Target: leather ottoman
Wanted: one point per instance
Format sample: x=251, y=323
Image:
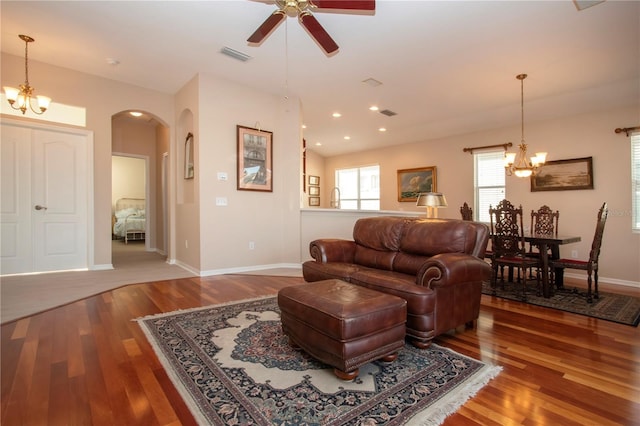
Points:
x=342, y=324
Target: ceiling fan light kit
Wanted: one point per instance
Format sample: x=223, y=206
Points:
x=302, y=9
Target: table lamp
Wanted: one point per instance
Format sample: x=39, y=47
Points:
x=431, y=200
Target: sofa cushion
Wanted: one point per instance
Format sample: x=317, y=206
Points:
x=435, y=236
x=379, y=233
x=317, y=271
x=419, y=299
x=408, y=263
x=377, y=241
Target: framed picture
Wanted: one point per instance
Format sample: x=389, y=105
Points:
x=563, y=175
x=255, y=159
x=314, y=191
x=412, y=182
x=314, y=180
x=188, y=156
x=314, y=201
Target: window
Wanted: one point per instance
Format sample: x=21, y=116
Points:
x=359, y=188
x=635, y=181
x=489, y=182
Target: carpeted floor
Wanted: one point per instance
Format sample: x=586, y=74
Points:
x=618, y=308
x=232, y=365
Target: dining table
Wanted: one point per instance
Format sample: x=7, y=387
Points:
x=546, y=242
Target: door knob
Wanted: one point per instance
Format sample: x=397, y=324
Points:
x=39, y=207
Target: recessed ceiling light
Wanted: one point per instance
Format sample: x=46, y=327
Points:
x=135, y=113
x=347, y=138
x=318, y=144
x=304, y=126
x=337, y=115
x=382, y=129
x=373, y=108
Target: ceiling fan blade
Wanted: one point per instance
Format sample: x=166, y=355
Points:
x=267, y=26
x=311, y=24
x=346, y=4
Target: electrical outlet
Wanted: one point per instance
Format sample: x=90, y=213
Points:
x=252, y=245
x=221, y=201
x=574, y=254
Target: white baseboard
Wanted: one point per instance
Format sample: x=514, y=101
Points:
x=242, y=269
x=605, y=280
x=103, y=267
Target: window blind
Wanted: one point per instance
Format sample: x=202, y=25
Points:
x=635, y=181
x=489, y=182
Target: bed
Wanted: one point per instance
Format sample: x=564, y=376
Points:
x=129, y=219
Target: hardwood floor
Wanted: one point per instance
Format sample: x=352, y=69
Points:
x=89, y=363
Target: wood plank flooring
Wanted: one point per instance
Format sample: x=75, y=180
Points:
x=89, y=363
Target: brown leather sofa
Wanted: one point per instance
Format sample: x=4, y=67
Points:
x=436, y=265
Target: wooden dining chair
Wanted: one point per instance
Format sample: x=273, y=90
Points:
x=544, y=221
x=508, y=244
x=590, y=265
x=466, y=212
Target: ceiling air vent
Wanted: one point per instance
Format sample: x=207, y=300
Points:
x=235, y=54
x=388, y=112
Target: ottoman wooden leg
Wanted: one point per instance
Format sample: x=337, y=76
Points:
x=342, y=375
x=389, y=358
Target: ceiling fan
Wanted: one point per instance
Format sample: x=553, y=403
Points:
x=301, y=8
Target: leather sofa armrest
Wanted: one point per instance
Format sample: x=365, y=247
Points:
x=451, y=268
x=332, y=250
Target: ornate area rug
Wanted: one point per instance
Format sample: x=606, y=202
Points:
x=610, y=306
x=233, y=366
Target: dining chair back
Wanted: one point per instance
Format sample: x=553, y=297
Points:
x=590, y=265
x=545, y=221
x=508, y=244
x=466, y=212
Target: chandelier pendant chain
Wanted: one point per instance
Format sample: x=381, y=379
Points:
x=521, y=77
x=27, y=40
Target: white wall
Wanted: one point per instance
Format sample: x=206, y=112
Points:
x=564, y=138
x=268, y=219
x=127, y=178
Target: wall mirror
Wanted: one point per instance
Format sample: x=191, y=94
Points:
x=188, y=156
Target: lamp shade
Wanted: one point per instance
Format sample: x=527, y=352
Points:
x=431, y=199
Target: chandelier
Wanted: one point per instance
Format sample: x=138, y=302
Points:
x=517, y=163
x=22, y=98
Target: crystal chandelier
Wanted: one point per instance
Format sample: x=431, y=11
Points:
x=517, y=163
x=22, y=98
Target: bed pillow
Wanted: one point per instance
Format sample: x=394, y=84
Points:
x=121, y=214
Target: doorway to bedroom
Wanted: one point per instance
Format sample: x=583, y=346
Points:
x=129, y=219
x=139, y=144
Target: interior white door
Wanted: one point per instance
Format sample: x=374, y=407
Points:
x=15, y=208
x=49, y=189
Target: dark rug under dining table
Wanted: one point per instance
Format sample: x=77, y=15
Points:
x=614, y=307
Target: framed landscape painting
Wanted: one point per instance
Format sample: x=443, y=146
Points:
x=412, y=182
x=563, y=175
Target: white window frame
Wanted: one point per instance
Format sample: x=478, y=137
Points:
x=359, y=199
x=635, y=182
x=488, y=164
